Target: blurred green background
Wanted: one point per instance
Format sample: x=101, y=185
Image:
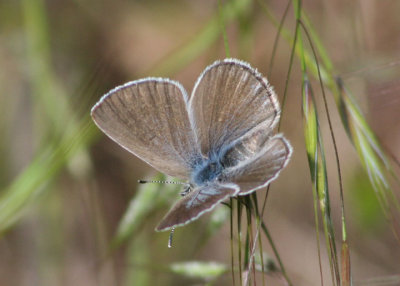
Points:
x=65, y=187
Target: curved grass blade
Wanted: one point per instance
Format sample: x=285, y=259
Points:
x=62, y=142
x=276, y=40
x=149, y=197
x=370, y=152
x=316, y=156
x=49, y=97
x=346, y=276
x=258, y=226
x=367, y=146
x=316, y=161
x=239, y=242
x=223, y=30
x=251, y=242
x=231, y=241
x=372, y=156
x=32, y=181
x=310, y=124
x=202, y=40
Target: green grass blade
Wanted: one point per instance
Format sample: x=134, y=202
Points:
x=148, y=198
x=223, y=30
x=32, y=181
x=370, y=152
x=276, y=253
x=47, y=91
x=258, y=224
x=200, y=41
x=317, y=164
x=276, y=40
x=239, y=242
x=345, y=275
x=372, y=157
x=231, y=201
x=200, y=270
x=64, y=140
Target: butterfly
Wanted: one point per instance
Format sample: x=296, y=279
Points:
x=220, y=139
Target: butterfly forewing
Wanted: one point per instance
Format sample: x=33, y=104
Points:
x=230, y=99
x=197, y=202
x=255, y=170
x=149, y=118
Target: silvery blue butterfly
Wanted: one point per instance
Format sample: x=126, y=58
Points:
x=219, y=139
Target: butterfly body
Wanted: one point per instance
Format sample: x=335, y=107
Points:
x=219, y=139
x=207, y=171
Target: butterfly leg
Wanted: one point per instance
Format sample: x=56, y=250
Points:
x=186, y=190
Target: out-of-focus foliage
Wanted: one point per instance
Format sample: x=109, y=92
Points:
x=71, y=211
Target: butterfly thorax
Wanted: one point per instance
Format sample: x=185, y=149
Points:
x=207, y=171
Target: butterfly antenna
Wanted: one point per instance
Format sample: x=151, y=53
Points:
x=160, y=182
x=184, y=193
x=170, y=237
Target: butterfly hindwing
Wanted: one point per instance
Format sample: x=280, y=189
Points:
x=257, y=161
x=197, y=202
